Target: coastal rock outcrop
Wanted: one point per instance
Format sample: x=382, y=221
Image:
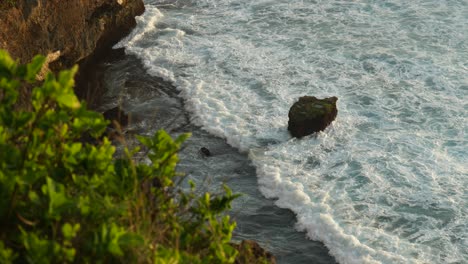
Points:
x=77, y=30
x=251, y=252
x=310, y=114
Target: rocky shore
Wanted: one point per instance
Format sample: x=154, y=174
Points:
x=153, y=104
x=79, y=32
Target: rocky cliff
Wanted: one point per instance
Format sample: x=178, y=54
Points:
x=69, y=32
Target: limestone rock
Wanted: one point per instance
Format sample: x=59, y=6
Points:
x=310, y=115
x=51, y=57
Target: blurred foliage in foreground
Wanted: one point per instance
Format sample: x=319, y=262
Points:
x=64, y=199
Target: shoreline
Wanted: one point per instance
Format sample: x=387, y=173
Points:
x=91, y=86
x=152, y=104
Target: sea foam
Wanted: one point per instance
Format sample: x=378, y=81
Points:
x=386, y=183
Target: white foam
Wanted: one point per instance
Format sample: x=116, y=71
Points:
x=153, y=15
x=386, y=183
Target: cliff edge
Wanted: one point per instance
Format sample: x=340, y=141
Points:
x=68, y=32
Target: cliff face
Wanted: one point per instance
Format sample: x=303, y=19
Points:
x=69, y=32
x=76, y=28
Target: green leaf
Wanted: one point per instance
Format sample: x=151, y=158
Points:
x=182, y=138
x=33, y=197
x=66, y=79
x=114, y=246
x=131, y=240
x=33, y=68
x=67, y=231
x=84, y=205
x=70, y=231
x=7, y=65
x=57, y=198
x=144, y=140
x=6, y=254
x=69, y=100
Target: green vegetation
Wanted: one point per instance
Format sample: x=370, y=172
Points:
x=64, y=199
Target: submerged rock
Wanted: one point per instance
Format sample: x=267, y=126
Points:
x=205, y=152
x=310, y=115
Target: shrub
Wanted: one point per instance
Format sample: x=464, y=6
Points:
x=64, y=199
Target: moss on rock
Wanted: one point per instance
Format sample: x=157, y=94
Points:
x=310, y=114
x=250, y=252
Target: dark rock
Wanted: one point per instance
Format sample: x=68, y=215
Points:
x=251, y=252
x=205, y=152
x=116, y=114
x=310, y=115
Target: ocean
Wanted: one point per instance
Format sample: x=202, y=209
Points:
x=387, y=181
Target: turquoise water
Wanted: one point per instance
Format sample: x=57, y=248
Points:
x=387, y=182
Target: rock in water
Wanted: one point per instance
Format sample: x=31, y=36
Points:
x=205, y=152
x=251, y=252
x=310, y=115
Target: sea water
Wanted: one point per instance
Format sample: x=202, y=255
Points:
x=387, y=181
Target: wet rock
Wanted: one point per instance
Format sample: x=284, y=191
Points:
x=205, y=152
x=251, y=252
x=310, y=115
